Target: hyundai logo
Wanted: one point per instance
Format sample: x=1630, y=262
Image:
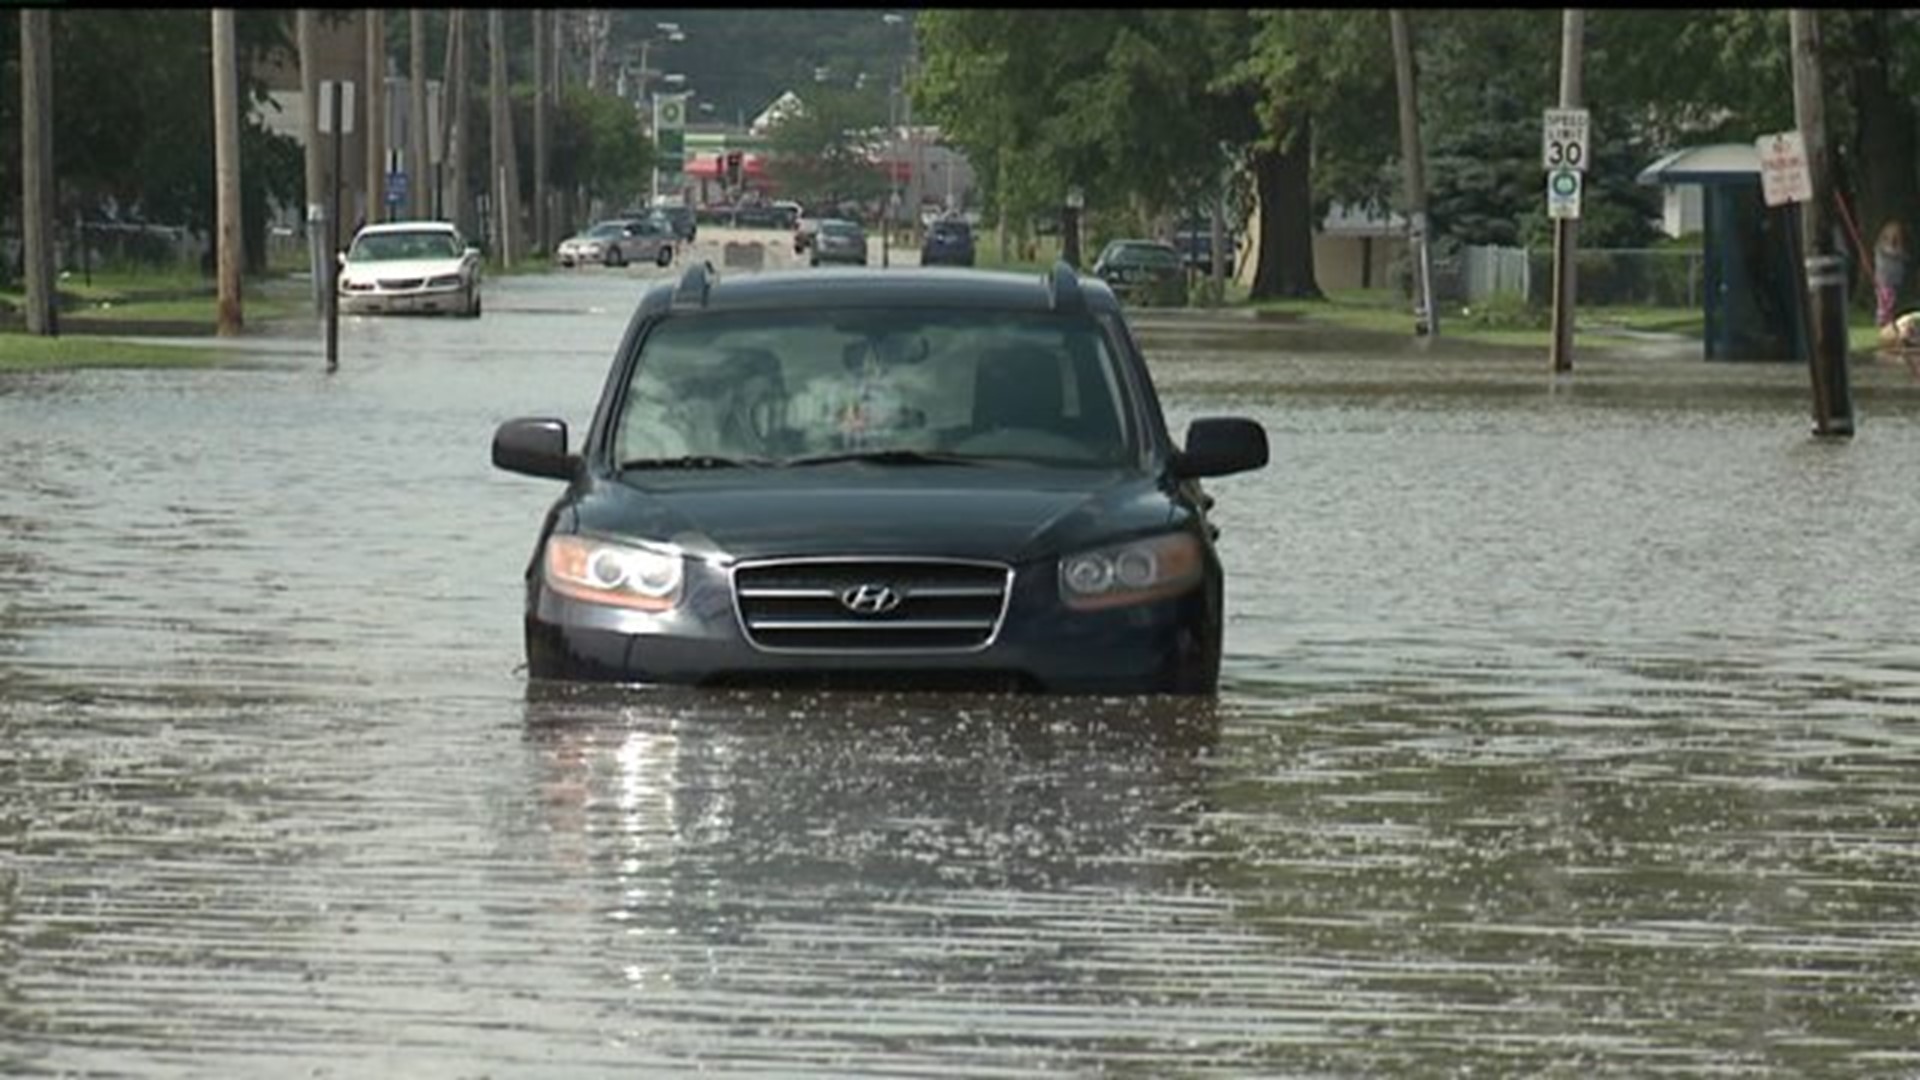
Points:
x=870, y=599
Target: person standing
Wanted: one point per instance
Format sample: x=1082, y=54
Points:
x=1889, y=270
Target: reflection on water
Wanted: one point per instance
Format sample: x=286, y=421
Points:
x=1567, y=729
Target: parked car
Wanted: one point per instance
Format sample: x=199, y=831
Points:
x=949, y=242
x=679, y=219
x=410, y=266
x=879, y=479
x=1143, y=272
x=838, y=241
x=619, y=242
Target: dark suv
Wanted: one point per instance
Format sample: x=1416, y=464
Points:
x=910, y=479
x=948, y=243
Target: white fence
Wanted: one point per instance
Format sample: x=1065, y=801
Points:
x=1662, y=277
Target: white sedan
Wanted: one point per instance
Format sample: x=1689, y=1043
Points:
x=409, y=266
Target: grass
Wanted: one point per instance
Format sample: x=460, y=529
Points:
x=162, y=295
x=26, y=352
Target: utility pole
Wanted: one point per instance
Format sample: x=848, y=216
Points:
x=500, y=158
x=226, y=169
x=541, y=46
x=459, y=130
x=376, y=84
x=1426, y=313
x=418, y=192
x=1566, y=230
x=306, y=29
x=1826, y=276
x=36, y=138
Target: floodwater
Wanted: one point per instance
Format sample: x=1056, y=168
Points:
x=1568, y=728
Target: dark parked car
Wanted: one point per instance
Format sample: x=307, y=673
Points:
x=838, y=241
x=919, y=479
x=680, y=220
x=1143, y=272
x=948, y=243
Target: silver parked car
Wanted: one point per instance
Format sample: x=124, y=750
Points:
x=619, y=242
x=836, y=240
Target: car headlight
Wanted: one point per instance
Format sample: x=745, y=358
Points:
x=1131, y=573
x=590, y=249
x=623, y=575
x=443, y=281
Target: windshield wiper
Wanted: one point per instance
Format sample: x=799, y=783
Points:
x=692, y=461
x=888, y=457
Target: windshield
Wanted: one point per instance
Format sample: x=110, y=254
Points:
x=607, y=228
x=784, y=387
x=839, y=228
x=388, y=246
x=1145, y=255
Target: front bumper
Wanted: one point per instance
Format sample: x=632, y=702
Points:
x=449, y=298
x=1165, y=646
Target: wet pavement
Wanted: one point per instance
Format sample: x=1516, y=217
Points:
x=1569, y=727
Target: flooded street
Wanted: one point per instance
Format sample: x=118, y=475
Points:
x=1567, y=728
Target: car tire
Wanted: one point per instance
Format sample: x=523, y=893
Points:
x=473, y=304
x=665, y=258
x=616, y=257
x=815, y=261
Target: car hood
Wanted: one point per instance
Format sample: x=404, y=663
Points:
x=390, y=269
x=955, y=511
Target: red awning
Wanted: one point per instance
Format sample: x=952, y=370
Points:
x=708, y=167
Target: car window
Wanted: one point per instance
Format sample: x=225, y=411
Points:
x=783, y=385
x=390, y=246
x=1147, y=255
x=606, y=229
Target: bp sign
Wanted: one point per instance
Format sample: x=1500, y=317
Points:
x=673, y=113
x=1563, y=193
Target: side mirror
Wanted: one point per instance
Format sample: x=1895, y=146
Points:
x=340, y=258
x=473, y=252
x=1218, y=446
x=534, y=447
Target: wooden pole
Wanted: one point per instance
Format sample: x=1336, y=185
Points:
x=419, y=192
x=306, y=30
x=1566, y=231
x=453, y=121
x=226, y=169
x=541, y=47
x=36, y=137
x=502, y=200
x=1825, y=270
x=376, y=98
x=1426, y=312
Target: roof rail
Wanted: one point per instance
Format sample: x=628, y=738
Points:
x=694, y=285
x=1063, y=288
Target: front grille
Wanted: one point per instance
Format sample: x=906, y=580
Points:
x=943, y=605
x=400, y=283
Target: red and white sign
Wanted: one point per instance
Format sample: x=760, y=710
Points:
x=1783, y=168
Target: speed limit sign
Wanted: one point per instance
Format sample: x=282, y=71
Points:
x=1564, y=139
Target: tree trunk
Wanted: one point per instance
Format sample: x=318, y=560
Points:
x=36, y=212
x=1283, y=183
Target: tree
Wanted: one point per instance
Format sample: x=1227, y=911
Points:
x=824, y=153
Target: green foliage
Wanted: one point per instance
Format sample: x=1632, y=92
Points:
x=822, y=155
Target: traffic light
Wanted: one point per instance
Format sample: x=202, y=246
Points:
x=733, y=168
